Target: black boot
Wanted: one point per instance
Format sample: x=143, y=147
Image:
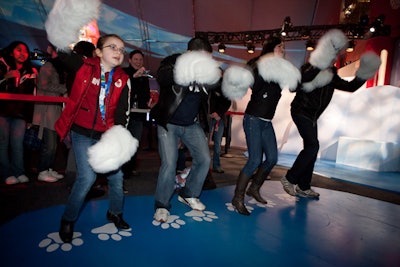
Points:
x=66, y=231
x=238, y=198
x=117, y=220
x=254, y=188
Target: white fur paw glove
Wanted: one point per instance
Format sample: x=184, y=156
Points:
x=328, y=48
x=196, y=67
x=369, y=64
x=115, y=147
x=236, y=81
x=66, y=18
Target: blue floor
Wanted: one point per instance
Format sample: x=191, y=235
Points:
x=339, y=229
x=382, y=180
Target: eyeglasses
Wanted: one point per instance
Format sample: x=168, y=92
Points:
x=115, y=48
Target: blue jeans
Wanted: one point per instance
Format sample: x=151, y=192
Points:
x=195, y=140
x=86, y=177
x=217, y=138
x=12, y=131
x=260, y=138
x=48, y=149
x=303, y=167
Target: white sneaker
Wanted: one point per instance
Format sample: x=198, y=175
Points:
x=45, y=176
x=161, y=215
x=55, y=174
x=22, y=178
x=192, y=202
x=12, y=180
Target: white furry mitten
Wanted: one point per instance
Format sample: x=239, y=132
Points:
x=196, y=67
x=280, y=71
x=369, y=64
x=66, y=18
x=115, y=147
x=236, y=81
x=328, y=48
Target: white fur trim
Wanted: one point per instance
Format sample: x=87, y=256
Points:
x=236, y=81
x=279, y=70
x=328, y=48
x=369, y=64
x=66, y=18
x=323, y=78
x=196, y=66
x=116, y=146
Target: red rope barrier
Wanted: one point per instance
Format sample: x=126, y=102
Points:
x=234, y=113
x=38, y=98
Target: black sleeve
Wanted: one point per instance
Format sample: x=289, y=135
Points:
x=71, y=61
x=121, y=116
x=348, y=86
x=308, y=72
x=165, y=73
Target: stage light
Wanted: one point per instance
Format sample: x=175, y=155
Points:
x=221, y=48
x=350, y=47
x=378, y=24
x=287, y=24
x=310, y=45
x=250, y=48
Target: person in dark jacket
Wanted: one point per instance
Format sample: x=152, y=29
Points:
x=319, y=81
x=219, y=105
x=272, y=74
x=17, y=76
x=140, y=97
x=185, y=81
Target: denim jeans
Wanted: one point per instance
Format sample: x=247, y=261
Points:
x=194, y=138
x=260, y=138
x=303, y=167
x=48, y=149
x=86, y=177
x=217, y=138
x=12, y=131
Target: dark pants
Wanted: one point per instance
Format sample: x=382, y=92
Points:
x=303, y=167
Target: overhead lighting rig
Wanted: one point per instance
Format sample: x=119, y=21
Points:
x=295, y=33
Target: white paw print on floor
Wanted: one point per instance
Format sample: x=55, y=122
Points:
x=173, y=221
x=54, y=242
x=109, y=230
x=200, y=216
x=270, y=203
x=287, y=197
x=230, y=207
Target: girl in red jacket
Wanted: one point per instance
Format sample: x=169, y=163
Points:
x=96, y=116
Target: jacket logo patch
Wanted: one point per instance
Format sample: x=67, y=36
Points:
x=95, y=81
x=118, y=83
x=265, y=95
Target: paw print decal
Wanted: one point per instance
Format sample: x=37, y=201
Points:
x=270, y=203
x=109, y=230
x=287, y=197
x=54, y=242
x=200, y=216
x=230, y=207
x=173, y=221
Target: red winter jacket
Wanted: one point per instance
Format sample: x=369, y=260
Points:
x=82, y=107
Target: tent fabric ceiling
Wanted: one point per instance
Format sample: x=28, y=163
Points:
x=170, y=24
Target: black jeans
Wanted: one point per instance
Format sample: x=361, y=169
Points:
x=303, y=167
